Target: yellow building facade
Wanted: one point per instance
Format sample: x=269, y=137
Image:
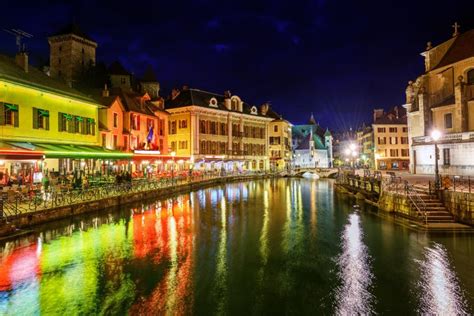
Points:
x=279, y=133
x=218, y=132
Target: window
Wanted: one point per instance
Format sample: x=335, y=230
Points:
x=275, y=128
x=183, y=144
x=382, y=140
x=115, y=120
x=448, y=120
x=223, y=128
x=202, y=127
x=125, y=142
x=393, y=140
x=123, y=80
x=274, y=140
x=381, y=129
x=405, y=153
x=172, y=127
x=104, y=140
x=470, y=76
x=446, y=157
x=40, y=119
x=404, y=140
x=183, y=124
x=234, y=104
x=173, y=146
x=393, y=152
x=135, y=120
x=115, y=141
x=392, y=129
x=405, y=130
x=9, y=114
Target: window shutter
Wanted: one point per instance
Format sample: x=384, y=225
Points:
x=138, y=122
x=60, y=121
x=93, y=127
x=16, y=117
x=35, y=118
x=46, y=123
x=2, y=114
x=83, y=126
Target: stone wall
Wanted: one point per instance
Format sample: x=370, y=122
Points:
x=461, y=205
x=395, y=203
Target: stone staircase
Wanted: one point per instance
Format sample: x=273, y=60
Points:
x=435, y=209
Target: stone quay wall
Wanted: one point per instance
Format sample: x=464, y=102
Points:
x=29, y=219
x=461, y=205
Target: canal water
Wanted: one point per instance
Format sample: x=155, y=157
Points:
x=284, y=246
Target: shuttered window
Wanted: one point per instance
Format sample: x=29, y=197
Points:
x=40, y=119
x=9, y=114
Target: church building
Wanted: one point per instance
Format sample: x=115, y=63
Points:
x=312, y=146
x=442, y=99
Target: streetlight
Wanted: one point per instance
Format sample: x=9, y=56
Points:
x=435, y=136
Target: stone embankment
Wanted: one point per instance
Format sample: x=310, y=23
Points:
x=29, y=219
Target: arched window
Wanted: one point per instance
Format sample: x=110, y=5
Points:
x=470, y=76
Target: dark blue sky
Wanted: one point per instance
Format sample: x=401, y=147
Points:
x=338, y=59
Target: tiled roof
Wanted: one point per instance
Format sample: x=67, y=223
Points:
x=35, y=78
x=197, y=97
x=131, y=101
x=302, y=131
x=73, y=29
x=462, y=48
x=392, y=117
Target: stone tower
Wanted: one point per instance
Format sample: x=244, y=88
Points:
x=70, y=52
x=150, y=84
x=119, y=76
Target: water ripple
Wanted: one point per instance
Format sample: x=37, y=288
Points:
x=440, y=292
x=354, y=296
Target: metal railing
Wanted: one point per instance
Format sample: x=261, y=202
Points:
x=17, y=203
x=416, y=202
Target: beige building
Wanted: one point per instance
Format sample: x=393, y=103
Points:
x=365, y=141
x=279, y=133
x=443, y=99
x=391, y=150
x=218, y=132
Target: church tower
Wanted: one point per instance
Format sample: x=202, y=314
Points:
x=70, y=52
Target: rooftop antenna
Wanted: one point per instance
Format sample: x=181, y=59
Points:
x=19, y=35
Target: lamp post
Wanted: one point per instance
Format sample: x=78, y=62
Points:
x=435, y=136
x=352, y=153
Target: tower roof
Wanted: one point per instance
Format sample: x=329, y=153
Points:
x=149, y=75
x=73, y=28
x=462, y=48
x=116, y=68
x=312, y=120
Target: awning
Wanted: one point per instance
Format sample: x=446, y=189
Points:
x=10, y=151
x=155, y=155
x=71, y=151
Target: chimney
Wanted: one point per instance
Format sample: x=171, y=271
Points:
x=105, y=92
x=264, y=108
x=378, y=113
x=185, y=87
x=21, y=60
x=227, y=94
x=395, y=109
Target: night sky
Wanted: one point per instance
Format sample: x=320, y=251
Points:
x=338, y=59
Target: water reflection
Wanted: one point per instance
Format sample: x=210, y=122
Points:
x=354, y=296
x=439, y=287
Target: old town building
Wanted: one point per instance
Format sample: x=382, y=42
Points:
x=391, y=139
x=219, y=132
x=312, y=146
x=443, y=99
x=365, y=141
x=279, y=133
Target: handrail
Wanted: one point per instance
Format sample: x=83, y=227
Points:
x=22, y=203
x=417, y=201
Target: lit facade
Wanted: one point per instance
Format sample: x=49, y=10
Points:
x=219, y=132
x=279, y=133
x=391, y=149
x=443, y=99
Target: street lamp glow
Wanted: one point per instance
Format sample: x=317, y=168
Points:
x=354, y=154
x=173, y=154
x=435, y=135
x=347, y=151
x=352, y=147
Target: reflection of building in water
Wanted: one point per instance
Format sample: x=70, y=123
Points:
x=164, y=234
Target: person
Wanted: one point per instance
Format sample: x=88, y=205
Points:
x=45, y=182
x=20, y=179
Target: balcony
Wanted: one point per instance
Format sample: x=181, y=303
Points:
x=238, y=134
x=446, y=138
